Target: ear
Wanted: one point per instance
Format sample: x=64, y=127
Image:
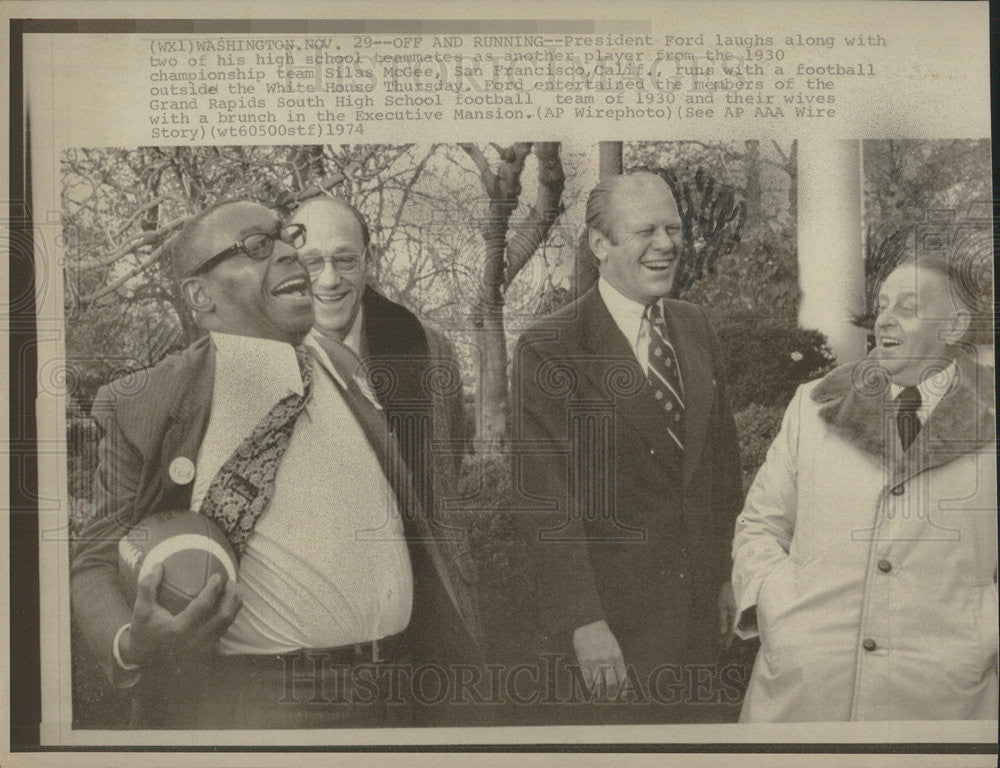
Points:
x=956, y=328
x=197, y=295
x=598, y=244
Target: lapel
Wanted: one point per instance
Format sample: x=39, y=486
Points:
x=419, y=528
x=695, y=362
x=186, y=421
x=854, y=400
x=606, y=348
x=394, y=345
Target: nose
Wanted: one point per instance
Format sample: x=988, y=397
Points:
x=883, y=319
x=328, y=277
x=662, y=240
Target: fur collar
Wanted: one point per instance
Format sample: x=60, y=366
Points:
x=854, y=400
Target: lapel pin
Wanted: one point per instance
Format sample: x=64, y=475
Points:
x=181, y=470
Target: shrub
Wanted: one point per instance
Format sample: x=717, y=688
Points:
x=760, y=277
x=767, y=358
x=757, y=426
x=505, y=590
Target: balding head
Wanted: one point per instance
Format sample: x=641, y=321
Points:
x=335, y=254
x=318, y=209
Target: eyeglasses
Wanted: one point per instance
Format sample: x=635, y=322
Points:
x=257, y=245
x=344, y=263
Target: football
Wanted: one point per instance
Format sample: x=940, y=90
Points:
x=189, y=545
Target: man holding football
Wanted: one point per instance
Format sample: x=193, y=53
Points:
x=262, y=436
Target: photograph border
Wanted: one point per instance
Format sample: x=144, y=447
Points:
x=24, y=573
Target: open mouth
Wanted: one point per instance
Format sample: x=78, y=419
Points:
x=328, y=298
x=293, y=287
x=658, y=265
x=888, y=342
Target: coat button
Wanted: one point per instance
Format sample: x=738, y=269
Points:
x=898, y=490
x=884, y=565
x=869, y=644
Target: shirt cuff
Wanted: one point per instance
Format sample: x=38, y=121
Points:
x=745, y=627
x=127, y=674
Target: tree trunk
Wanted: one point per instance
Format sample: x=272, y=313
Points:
x=609, y=163
x=610, y=158
x=792, y=168
x=751, y=169
x=503, y=261
x=504, y=191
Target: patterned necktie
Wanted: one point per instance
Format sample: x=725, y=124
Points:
x=664, y=374
x=907, y=422
x=242, y=488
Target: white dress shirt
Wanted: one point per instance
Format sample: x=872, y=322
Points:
x=327, y=564
x=629, y=316
x=931, y=389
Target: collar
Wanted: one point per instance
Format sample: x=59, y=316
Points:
x=352, y=340
x=627, y=313
x=315, y=340
x=264, y=364
x=321, y=347
x=931, y=390
x=854, y=400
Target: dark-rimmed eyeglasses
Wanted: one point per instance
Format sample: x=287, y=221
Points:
x=257, y=245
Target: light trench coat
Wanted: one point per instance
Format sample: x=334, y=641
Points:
x=873, y=571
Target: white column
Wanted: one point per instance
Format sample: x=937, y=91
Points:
x=831, y=251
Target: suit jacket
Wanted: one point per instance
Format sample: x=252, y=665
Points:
x=146, y=420
x=417, y=379
x=625, y=528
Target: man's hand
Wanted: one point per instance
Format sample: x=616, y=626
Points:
x=727, y=613
x=156, y=634
x=600, y=657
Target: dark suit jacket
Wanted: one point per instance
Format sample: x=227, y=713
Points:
x=625, y=528
x=417, y=379
x=146, y=420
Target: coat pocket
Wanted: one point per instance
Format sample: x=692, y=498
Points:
x=967, y=649
x=773, y=600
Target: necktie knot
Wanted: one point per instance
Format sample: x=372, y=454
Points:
x=654, y=313
x=909, y=399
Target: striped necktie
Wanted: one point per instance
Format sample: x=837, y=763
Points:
x=664, y=374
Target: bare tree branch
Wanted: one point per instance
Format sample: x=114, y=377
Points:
x=531, y=233
x=479, y=159
x=114, y=286
x=408, y=190
x=146, y=238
